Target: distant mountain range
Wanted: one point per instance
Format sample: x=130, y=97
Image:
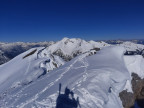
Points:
x=137, y=41
x=10, y=50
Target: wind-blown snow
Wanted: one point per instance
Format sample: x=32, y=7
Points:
x=22, y=70
x=134, y=64
x=97, y=80
x=29, y=81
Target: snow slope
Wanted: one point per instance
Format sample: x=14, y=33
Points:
x=27, y=81
x=97, y=80
x=27, y=67
x=42, y=61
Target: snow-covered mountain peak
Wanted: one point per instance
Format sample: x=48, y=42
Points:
x=69, y=48
x=65, y=39
x=99, y=44
x=69, y=41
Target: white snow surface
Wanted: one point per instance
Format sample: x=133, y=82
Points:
x=134, y=64
x=70, y=46
x=25, y=70
x=97, y=80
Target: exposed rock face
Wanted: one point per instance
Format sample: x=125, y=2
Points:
x=137, y=52
x=76, y=53
x=64, y=57
x=128, y=99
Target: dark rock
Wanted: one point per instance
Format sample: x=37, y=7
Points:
x=63, y=56
x=128, y=99
x=31, y=53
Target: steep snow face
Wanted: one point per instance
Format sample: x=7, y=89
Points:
x=97, y=80
x=69, y=48
x=134, y=64
x=26, y=68
x=52, y=62
x=130, y=46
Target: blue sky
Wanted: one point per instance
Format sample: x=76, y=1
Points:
x=45, y=20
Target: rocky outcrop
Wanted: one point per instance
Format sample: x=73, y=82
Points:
x=62, y=55
x=137, y=52
x=74, y=54
x=129, y=99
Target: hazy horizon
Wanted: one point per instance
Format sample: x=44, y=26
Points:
x=70, y=38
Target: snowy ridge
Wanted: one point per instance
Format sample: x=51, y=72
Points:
x=31, y=79
x=53, y=61
x=97, y=80
x=69, y=48
x=66, y=48
x=42, y=61
x=134, y=64
x=25, y=70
